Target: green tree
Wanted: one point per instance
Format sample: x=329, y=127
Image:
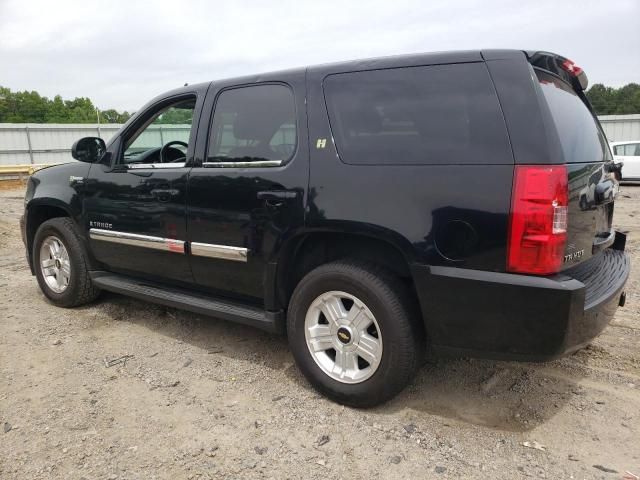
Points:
x=113, y=116
x=31, y=107
x=81, y=110
x=57, y=112
x=176, y=116
x=615, y=101
x=5, y=99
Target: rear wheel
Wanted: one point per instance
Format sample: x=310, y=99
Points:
x=353, y=332
x=61, y=264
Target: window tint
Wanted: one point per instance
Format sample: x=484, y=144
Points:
x=581, y=138
x=253, y=124
x=444, y=114
x=172, y=123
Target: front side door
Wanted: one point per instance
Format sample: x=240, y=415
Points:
x=135, y=206
x=248, y=186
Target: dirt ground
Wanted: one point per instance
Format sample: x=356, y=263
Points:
x=200, y=398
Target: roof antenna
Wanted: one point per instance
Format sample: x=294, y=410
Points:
x=186, y=84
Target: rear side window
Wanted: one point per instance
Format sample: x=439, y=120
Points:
x=580, y=135
x=251, y=124
x=630, y=150
x=443, y=114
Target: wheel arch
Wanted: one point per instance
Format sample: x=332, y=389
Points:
x=39, y=211
x=309, y=249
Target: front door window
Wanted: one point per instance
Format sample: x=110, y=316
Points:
x=164, y=138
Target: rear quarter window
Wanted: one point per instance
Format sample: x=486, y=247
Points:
x=442, y=114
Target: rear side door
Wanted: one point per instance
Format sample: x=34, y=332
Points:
x=248, y=185
x=136, y=205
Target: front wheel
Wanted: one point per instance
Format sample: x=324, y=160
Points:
x=60, y=263
x=353, y=332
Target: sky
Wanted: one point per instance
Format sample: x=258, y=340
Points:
x=122, y=53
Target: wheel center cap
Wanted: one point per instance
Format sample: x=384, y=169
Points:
x=58, y=264
x=344, y=335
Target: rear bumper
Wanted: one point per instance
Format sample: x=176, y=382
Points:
x=506, y=316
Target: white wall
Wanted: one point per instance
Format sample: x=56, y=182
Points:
x=620, y=128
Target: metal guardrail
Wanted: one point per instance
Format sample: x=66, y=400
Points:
x=34, y=144
x=51, y=143
x=20, y=170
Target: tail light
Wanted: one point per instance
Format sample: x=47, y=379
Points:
x=570, y=67
x=538, y=223
x=576, y=72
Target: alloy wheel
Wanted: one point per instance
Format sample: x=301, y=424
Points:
x=343, y=337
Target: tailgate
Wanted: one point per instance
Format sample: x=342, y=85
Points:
x=585, y=151
x=592, y=193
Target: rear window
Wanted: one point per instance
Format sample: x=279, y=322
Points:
x=580, y=135
x=442, y=114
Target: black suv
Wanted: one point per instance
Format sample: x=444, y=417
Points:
x=458, y=201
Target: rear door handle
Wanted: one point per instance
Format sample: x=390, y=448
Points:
x=276, y=198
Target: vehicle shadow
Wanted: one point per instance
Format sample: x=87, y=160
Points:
x=502, y=395
x=508, y=396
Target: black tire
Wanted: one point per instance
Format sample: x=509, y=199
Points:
x=396, y=313
x=80, y=289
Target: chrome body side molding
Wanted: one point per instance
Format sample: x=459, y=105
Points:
x=141, y=166
x=209, y=250
x=137, y=240
x=225, y=252
x=256, y=164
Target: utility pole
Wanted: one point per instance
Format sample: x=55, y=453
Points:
x=98, y=115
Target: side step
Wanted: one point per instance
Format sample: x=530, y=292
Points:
x=186, y=300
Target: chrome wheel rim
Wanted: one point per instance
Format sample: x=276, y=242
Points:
x=343, y=337
x=55, y=264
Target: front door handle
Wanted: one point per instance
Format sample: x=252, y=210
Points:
x=164, y=195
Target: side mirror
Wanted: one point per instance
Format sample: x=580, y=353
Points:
x=88, y=149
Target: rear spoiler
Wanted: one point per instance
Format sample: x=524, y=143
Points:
x=560, y=66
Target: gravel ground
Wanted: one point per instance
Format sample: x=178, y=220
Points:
x=201, y=398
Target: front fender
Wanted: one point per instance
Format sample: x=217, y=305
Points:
x=54, y=192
